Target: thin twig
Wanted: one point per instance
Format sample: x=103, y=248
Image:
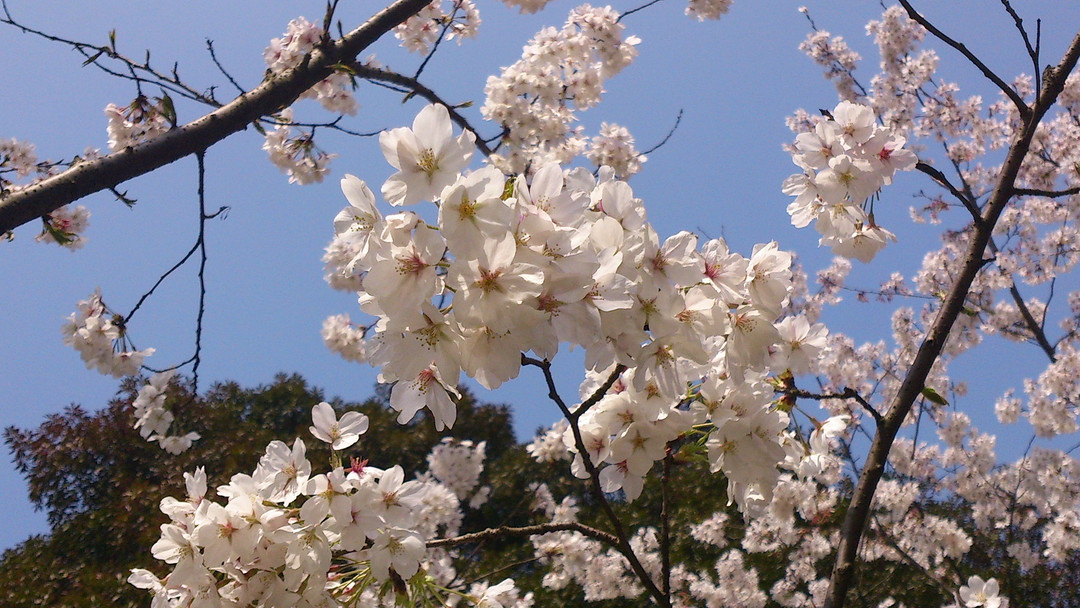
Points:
x=501, y=531
x=944, y=182
x=634, y=10
x=221, y=68
x=1032, y=51
x=1035, y=327
x=848, y=393
x=678, y=119
x=161, y=279
x=435, y=47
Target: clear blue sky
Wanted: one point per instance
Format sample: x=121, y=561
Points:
x=720, y=174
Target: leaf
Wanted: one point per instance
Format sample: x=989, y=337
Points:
x=167, y=108
x=93, y=58
x=123, y=197
x=932, y=396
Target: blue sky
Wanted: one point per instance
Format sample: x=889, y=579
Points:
x=735, y=80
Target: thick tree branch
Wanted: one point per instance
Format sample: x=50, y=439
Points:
x=272, y=95
x=859, y=510
x=1046, y=193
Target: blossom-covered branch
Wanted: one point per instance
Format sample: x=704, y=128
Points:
x=932, y=345
x=271, y=96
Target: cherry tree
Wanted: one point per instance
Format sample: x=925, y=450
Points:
x=483, y=256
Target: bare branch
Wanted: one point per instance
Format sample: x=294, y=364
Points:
x=491, y=533
x=213, y=57
x=1033, y=51
x=944, y=182
x=1034, y=326
x=848, y=393
x=271, y=96
x=1025, y=111
x=412, y=85
x=678, y=119
x=634, y=10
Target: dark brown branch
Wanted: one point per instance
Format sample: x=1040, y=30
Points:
x=634, y=10
x=1021, y=106
x=1046, y=193
x=93, y=54
x=491, y=533
x=213, y=57
x=1034, y=326
x=944, y=182
x=412, y=85
x=906, y=557
x=848, y=393
x=1033, y=51
x=859, y=509
x=674, y=127
x=271, y=96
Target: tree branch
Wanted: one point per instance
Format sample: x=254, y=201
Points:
x=501, y=531
x=944, y=182
x=859, y=509
x=413, y=85
x=1046, y=193
x=1025, y=111
x=623, y=546
x=1032, y=324
x=272, y=95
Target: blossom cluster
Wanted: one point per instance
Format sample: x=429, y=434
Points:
x=285, y=536
x=514, y=266
x=845, y=160
x=99, y=337
x=16, y=157
x=66, y=226
x=300, y=38
x=153, y=419
x=560, y=71
x=421, y=31
x=296, y=155
x=342, y=337
x=139, y=121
